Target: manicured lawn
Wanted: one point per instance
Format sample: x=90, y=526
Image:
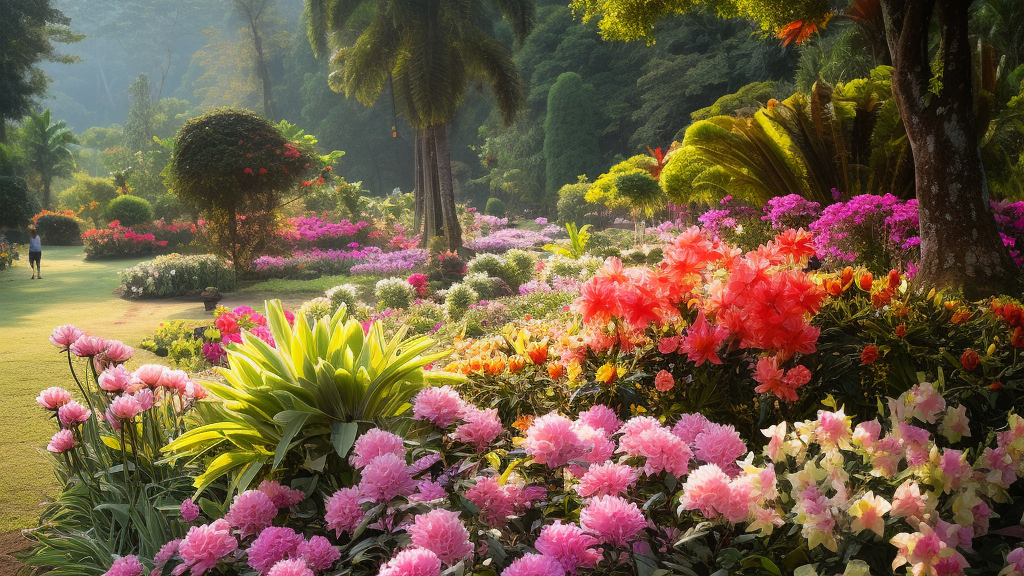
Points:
x=77, y=292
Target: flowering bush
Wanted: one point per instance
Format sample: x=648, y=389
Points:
x=176, y=275
x=59, y=229
x=312, y=232
x=385, y=263
x=508, y=238
x=116, y=241
x=394, y=293
x=311, y=263
x=8, y=253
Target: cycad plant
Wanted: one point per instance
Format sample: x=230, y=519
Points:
x=47, y=149
x=301, y=404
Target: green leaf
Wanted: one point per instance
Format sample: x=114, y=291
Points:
x=293, y=421
x=343, y=436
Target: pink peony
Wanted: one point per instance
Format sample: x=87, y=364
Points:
x=145, y=398
x=481, y=427
x=204, y=545
x=599, y=448
x=629, y=442
x=64, y=336
x=115, y=379
x=427, y=490
x=53, y=398
x=612, y=520
x=61, y=442
x=251, y=512
x=374, y=443
x=720, y=445
x=318, y=553
x=689, y=426
x=569, y=545
x=442, y=406
x=176, y=380
x=343, y=511
x=385, y=477
x=492, y=500
x=88, y=346
x=534, y=565
x=125, y=566
x=166, y=552
x=441, y=532
x=663, y=451
x=601, y=417
x=118, y=352
x=705, y=489
x=189, y=510
x=271, y=546
x=664, y=381
x=72, y=414
x=295, y=567
x=281, y=496
x=150, y=374
x=125, y=407
x=608, y=479
x=412, y=562
x=552, y=440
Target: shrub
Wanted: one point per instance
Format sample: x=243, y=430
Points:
x=177, y=275
x=59, y=229
x=117, y=241
x=17, y=203
x=129, y=210
x=507, y=239
x=8, y=253
x=168, y=207
x=570, y=136
x=458, y=299
x=572, y=203
x=487, y=264
x=495, y=207
x=392, y=262
x=88, y=195
x=315, y=309
x=345, y=294
x=394, y=293
x=485, y=286
x=425, y=318
x=519, y=267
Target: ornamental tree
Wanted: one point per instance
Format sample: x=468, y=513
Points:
x=933, y=89
x=235, y=168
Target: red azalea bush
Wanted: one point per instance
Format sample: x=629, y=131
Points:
x=116, y=241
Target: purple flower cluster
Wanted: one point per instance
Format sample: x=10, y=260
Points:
x=507, y=239
x=493, y=222
x=533, y=286
x=790, y=211
x=1010, y=219
x=315, y=258
x=845, y=229
x=389, y=263
x=726, y=217
x=313, y=229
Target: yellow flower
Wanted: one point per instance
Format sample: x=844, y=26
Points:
x=868, y=513
x=606, y=373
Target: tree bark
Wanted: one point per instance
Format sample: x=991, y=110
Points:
x=450, y=218
x=46, y=193
x=960, y=244
x=419, y=183
x=432, y=215
x=262, y=70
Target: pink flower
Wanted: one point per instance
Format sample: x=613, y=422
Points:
x=421, y=464
x=61, y=442
x=427, y=490
x=145, y=398
x=668, y=345
x=833, y=429
x=116, y=379
x=204, y=545
x=72, y=413
x=702, y=341
x=664, y=381
x=125, y=566
x=608, y=479
x=553, y=441
x=295, y=567
x=189, y=510
x=176, y=380
x=281, y=496
x=53, y=398
x=166, y=552
x=908, y=502
x=271, y=546
x=440, y=405
x=412, y=562
x=87, y=346
x=492, y=500
x=867, y=433
x=318, y=553
x=64, y=336
x=251, y=512
x=569, y=545
x=441, y=532
x=385, y=477
x=343, y=511
x=629, y=442
x=612, y=520
x=125, y=407
x=150, y=374
x=663, y=451
x=602, y=418
x=690, y=426
x=374, y=443
x=707, y=490
x=118, y=352
x=534, y=565
x=481, y=427
x=720, y=445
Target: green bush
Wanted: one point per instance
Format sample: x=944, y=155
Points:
x=495, y=207
x=315, y=309
x=487, y=264
x=570, y=134
x=572, y=203
x=17, y=204
x=347, y=294
x=519, y=267
x=129, y=210
x=177, y=275
x=393, y=293
x=89, y=195
x=168, y=208
x=59, y=230
x=424, y=318
x=458, y=300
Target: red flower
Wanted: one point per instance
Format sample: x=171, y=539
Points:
x=1018, y=337
x=869, y=354
x=538, y=353
x=226, y=323
x=865, y=281
x=263, y=170
x=703, y=340
x=248, y=170
x=901, y=330
x=969, y=359
x=773, y=380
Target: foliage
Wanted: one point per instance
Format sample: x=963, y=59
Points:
x=458, y=299
x=176, y=275
x=570, y=138
x=750, y=97
x=8, y=253
x=59, y=229
x=578, y=239
x=18, y=203
x=394, y=293
x=129, y=210
x=343, y=295
x=46, y=149
x=299, y=406
x=637, y=195
x=495, y=207
x=89, y=196
x=117, y=241
x=572, y=203
x=515, y=267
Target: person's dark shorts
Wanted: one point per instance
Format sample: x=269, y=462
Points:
x=34, y=257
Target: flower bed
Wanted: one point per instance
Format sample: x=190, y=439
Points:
x=507, y=239
x=117, y=241
x=177, y=275
x=8, y=253
x=312, y=232
x=388, y=263
x=312, y=263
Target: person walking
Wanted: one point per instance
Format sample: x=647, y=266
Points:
x=35, y=252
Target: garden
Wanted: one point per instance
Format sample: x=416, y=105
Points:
x=790, y=341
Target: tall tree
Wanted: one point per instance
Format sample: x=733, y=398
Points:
x=428, y=50
x=28, y=30
x=138, y=128
x=570, y=134
x=933, y=89
x=253, y=14
x=46, y=150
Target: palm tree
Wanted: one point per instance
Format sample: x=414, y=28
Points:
x=46, y=149
x=429, y=51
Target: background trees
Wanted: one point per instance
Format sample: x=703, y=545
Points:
x=47, y=150
x=570, y=138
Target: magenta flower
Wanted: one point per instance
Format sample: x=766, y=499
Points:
x=690, y=426
x=569, y=545
x=720, y=445
x=204, y=545
x=480, y=429
x=189, y=510
x=534, y=565
x=374, y=443
x=72, y=414
x=281, y=496
x=61, y=442
x=439, y=405
x=166, y=552
x=608, y=479
x=612, y=520
x=318, y=553
x=412, y=562
x=251, y=512
x=602, y=418
x=64, y=336
x=441, y=532
x=386, y=477
x=492, y=500
x=125, y=566
x=271, y=546
x=344, y=513
x=295, y=567
x=53, y=398
x=553, y=441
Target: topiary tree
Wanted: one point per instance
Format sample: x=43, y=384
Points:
x=570, y=136
x=495, y=207
x=129, y=210
x=235, y=168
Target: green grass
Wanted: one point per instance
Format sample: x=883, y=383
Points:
x=77, y=292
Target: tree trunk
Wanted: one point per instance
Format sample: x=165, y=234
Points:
x=432, y=216
x=46, y=193
x=452, y=229
x=262, y=71
x=960, y=244
x=419, y=183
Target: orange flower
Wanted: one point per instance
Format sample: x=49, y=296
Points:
x=869, y=354
x=833, y=287
x=847, y=277
x=901, y=330
x=495, y=366
x=881, y=298
x=516, y=363
x=555, y=370
x=606, y=374
x=894, y=279
x=995, y=386
x=523, y=423
x=969, y=359
x=1018, y=337
x=664, y=381
x=865, y=281
x=475, y=365
x=960, y=316
x=538, y=353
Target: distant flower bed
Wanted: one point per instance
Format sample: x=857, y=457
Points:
x=313, y=262
x=314, y=232
x=387, y=263
x=507, y=239
x=117, y=241
x=8, y=254
x=177, y=275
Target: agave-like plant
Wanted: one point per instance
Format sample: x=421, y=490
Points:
x=303, y=402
